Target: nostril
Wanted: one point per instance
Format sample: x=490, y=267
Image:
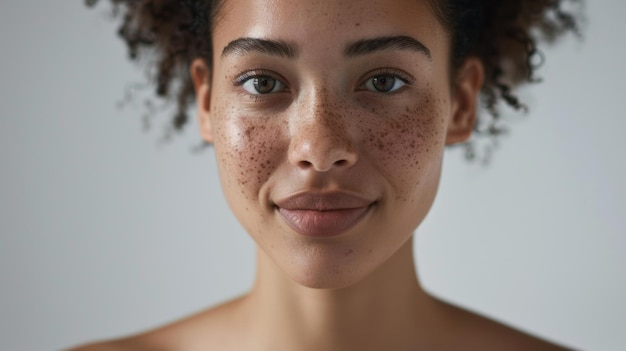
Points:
x=322, y=166
x=321, y=156
x=305, y=164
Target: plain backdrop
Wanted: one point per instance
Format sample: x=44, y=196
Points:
x=105, y=230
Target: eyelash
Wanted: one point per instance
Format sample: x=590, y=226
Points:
x=244, y=77
x=406, y=78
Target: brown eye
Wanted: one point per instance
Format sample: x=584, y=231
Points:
x=259, y=85
x=264, y=85
x=384, y=84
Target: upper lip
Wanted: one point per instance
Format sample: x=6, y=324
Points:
x=330, y=201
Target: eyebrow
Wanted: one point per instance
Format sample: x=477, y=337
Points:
x=244, y=46
x=288, y=50
x=402, y=42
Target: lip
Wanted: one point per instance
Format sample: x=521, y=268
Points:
x=323, y=215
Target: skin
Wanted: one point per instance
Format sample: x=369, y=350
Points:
x=328, y=130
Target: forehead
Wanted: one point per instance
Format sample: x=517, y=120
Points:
x=322, y=25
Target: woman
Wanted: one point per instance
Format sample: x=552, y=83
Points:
x=329, y=120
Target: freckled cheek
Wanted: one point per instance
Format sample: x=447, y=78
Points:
x=407, y=138
x=248, y=151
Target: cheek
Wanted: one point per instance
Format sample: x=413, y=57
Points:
x=407, y=141
x=247, y=149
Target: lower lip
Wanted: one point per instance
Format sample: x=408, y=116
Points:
x=322, y=223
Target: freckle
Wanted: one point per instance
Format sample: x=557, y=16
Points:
x=370, y=251
x=357, y=24
x=349, y=252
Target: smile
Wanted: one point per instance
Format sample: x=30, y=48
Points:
x=323, y=215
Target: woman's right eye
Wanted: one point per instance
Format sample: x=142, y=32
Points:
x=262, y=85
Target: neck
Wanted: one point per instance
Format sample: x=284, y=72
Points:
x=382, y=308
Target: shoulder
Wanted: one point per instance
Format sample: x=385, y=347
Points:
x=502, y=337
x=473, y=331
x=208, y=329
x=486, y=334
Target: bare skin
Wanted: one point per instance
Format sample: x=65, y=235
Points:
x=322, y=116
x=410, y=320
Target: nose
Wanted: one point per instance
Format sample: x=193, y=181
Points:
x=320, y=138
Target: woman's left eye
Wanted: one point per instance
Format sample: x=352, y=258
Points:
x=260, y=85
x=384, y=83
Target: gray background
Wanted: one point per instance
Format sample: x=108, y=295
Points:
x=106, y=231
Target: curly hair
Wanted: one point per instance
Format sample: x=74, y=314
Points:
x=502, y=34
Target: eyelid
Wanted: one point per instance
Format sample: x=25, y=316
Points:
x=243, y=77
x=387, y=71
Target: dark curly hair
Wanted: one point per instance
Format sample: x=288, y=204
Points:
x=503, y=34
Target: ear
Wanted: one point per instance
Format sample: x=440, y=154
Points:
x=466, y=89
x=201, y=77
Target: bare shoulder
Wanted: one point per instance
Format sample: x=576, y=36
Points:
x=476, y=332
x=205, y=330
x=500, y=336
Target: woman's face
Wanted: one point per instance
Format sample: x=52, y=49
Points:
x=329, y=119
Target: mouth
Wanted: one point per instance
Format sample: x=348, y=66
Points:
x=323, y=215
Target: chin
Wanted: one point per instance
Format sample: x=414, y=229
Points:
x=329, y=280
x=329, y=268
